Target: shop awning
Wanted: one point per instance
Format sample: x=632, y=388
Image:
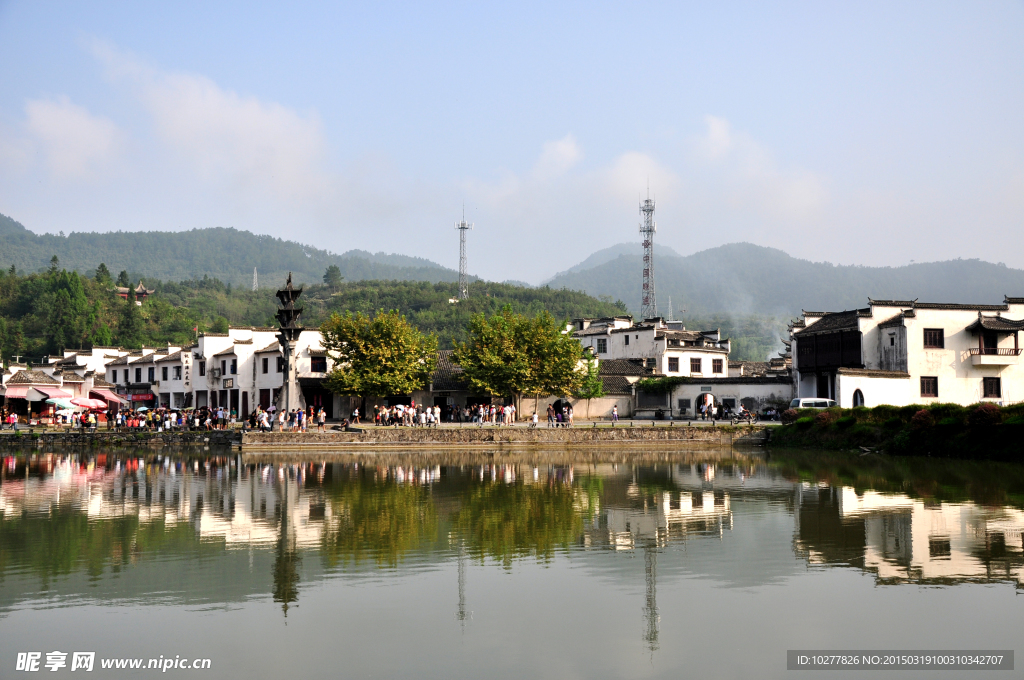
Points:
x=107, y=395
x=50, y=393
x=16, y=392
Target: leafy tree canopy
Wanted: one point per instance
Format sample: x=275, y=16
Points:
x=510, y=354
x=377, y=356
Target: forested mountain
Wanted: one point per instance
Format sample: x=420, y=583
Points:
x=228, y=255
x=608, y=254
x=741, y=279
x=44, y=313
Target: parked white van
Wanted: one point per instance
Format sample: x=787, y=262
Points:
x=812, y=403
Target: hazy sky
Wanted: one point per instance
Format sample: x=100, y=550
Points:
x=857, y=132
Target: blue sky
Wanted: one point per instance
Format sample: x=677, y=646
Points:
x=868, y=133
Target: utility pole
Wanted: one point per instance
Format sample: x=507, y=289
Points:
x=649, y=306
x=462, y=228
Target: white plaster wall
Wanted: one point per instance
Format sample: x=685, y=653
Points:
x=762, y=393
x=876, y=391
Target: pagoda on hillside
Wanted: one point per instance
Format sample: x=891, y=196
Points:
x=141, y=292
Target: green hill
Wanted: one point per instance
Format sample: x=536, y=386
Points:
x=742, y=279
x=225, y=254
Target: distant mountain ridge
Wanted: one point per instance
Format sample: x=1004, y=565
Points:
x=608, y=254
x=224, y=253
x=742, y=278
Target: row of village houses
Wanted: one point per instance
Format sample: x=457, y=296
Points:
x=890, y=352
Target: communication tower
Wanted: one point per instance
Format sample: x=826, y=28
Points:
x=255, y=281
x=462, y=228
x=649, y=306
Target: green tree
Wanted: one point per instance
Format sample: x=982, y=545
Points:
x=122, y=280
x=61, y=323
x=103, y=274
x=332, y=277
x=103, y=337
x=510, y=355
x=591, y=387
x=130, y=324
x=54, y=264
x=377, y=356
x=220, y=325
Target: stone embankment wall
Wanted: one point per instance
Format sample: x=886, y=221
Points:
x=716, y=436
x=110, y=439
x=404, y=437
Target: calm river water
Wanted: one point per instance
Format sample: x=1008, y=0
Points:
x=523, y=565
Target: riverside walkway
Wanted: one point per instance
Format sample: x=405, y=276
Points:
x=449, y=434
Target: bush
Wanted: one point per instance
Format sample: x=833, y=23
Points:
x=826, y=417
x=893, y=424
x=790, y=415
x=901, y=442
x=922, y=419
x=804, y=423
x=907, y=413
x=943, y=412
x=948, y=422
x=1014, y=420
x=861, y=413
x=846, y=422
x=984, y=415
x=883, y=413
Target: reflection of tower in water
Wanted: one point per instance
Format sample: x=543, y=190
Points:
x=462, y=613
x=651, y=594
x=286, y=563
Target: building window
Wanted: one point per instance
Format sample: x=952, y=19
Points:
x=266, y=364
x=695, y=366
x=627, y=338
x=202, y=368
x=716, y=366
x=673, y=364
x=163, y=373
x=892, y=339
x=858, y=398
x=223, y=366
x=318, y=364
x=991, y=389
x=280, y=367
x=602, y=345
x=138, y=375
x=684, y=405
x=234, y=366
x=934, y=338
x=177, y=372
x=652, y=363
x=151, y=374
x=929, y=386
x=113, y=376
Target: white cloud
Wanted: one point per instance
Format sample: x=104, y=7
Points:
x=557, y=158
x=736, y=172
x=254, y=147
x=76, y=143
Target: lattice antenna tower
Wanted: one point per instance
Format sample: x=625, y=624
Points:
x=462, y=228
x=649, y=303
x=255, y=280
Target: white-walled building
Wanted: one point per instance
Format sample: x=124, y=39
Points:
x=908, y=352
x=665, y=346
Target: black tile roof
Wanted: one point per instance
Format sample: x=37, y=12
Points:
x=616, y=384
x=996, y=323
x=633, y=367
x=448, y=375
x=835, y=321
x=31, y=378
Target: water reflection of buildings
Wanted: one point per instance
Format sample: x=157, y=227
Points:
x=903, y=539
